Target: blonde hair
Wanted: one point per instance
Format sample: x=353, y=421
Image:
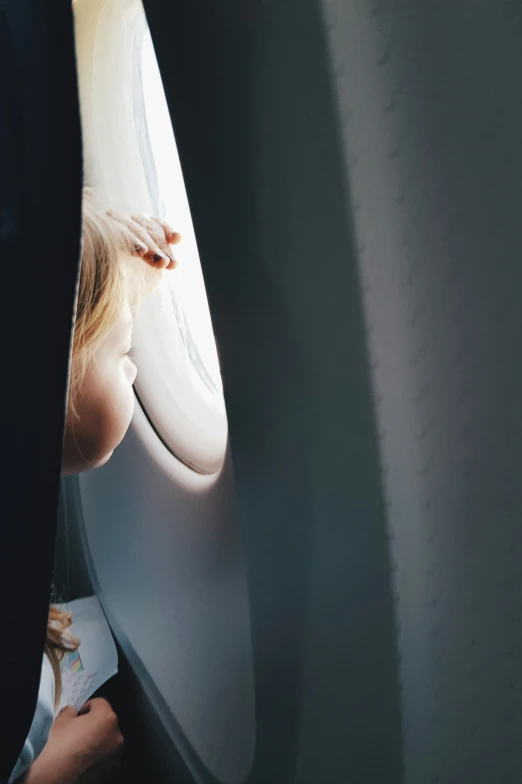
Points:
x=103, y=289
x=58, y=642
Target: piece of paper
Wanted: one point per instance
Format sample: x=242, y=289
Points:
x=95, y=661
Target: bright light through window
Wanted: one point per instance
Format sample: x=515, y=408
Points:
x=170, y=201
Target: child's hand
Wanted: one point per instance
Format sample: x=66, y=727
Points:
x=150, y=238
x=77, y=743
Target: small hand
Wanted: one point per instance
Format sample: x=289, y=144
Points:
x=78, y=743
x=150, y=238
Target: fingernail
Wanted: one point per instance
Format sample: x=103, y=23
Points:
x=159, y=257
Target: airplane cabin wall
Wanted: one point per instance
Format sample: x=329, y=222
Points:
x=255, y=116
x=354, y=177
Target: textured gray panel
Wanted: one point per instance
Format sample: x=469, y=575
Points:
x=432, y=124
x=256, y=125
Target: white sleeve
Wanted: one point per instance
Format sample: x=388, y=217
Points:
x=42, y=722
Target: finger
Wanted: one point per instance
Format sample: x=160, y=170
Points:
x=157, y=231
x=167, y=264
x=137, y=239
x=131, y=225
x=148, y=233
x=155, y=261
x=96, y=703
x=66, y=713
x=173, y=237
x=135, y=246
x=151, y=225
x=155, y=250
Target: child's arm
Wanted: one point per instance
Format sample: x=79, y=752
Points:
x=77, y=743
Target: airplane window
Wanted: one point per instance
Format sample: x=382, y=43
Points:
x=177, y=321
x=132, y=162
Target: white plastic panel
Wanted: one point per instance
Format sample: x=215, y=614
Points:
x=165, y=557
x=161, y=538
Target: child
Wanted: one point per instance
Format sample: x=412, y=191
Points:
x=99, y=410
